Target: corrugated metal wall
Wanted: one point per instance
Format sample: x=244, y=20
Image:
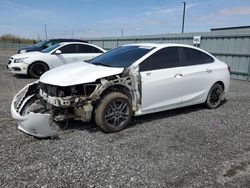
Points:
x=232, y=47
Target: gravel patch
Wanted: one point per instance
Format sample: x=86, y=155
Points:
x=187, y=147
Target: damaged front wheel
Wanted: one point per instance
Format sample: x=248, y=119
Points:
x=114, y=112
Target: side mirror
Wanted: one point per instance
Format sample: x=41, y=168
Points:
x=57, y=52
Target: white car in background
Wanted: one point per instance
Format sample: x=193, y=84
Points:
x=128, y=81
x=35, y=64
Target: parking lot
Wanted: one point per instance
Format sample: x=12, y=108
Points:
x=187, y=147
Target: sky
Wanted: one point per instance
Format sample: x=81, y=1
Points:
x=109, y=18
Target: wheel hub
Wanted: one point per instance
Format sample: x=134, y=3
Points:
x=215, y=96
x=116, y=113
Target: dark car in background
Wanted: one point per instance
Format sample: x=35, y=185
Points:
x=45, y=44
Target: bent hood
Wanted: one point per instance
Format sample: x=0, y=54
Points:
x=77, y=73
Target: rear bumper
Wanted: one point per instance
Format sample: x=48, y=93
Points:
x=226, y=82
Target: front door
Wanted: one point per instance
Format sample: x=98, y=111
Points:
x=161, y=80
x=68, y=55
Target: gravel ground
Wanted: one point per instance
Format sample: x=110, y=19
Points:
x=188, y=147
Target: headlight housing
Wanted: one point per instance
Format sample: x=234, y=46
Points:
x=20, y=60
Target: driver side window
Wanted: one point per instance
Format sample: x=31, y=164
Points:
x=68, y=49
x=162, y=59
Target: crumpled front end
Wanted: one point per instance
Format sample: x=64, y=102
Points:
x=39, y=105
x=30, y=114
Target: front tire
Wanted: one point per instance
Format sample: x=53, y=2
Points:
x=37, y=69
x=114, y=112
x=215, y=95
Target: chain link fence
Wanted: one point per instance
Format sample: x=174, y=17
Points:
x=12, y=45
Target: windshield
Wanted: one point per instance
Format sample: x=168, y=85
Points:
x=39, y=44
x=49, y=49
x=121, y=57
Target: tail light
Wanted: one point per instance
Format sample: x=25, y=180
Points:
x=229, y=69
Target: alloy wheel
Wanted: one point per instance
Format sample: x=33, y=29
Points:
x=117, y=113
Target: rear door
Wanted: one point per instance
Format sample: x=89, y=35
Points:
x=161, y=80
x=86, y=52
x=197, y=73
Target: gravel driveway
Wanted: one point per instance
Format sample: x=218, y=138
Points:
x=188, y=147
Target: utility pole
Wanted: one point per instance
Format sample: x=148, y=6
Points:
x=122, y=32
x=183, y=16
x=45, y=28
x=38, y=38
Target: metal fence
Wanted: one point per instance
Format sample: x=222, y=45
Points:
x=230, y=47
x=12, y=45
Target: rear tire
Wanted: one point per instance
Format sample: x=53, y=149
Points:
x=114, y=112
x=214, y=97
x=37, y=69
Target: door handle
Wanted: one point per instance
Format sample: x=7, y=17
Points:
x=209, y=70
x=74, y=58
x=148, y=74
x=178, y=75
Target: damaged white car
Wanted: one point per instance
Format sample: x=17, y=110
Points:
x=128, y=81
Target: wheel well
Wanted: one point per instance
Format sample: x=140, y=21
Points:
x=37, y=62
x=113, y=88
x=117, y=88
x=221, y=83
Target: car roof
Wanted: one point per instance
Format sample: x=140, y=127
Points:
x=64, y=43
x=157, y=45
x=68, y=40
x=164, y=45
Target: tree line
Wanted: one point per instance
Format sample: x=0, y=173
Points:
x=15, y=39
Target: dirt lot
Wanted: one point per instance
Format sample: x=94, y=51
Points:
x=188, y=147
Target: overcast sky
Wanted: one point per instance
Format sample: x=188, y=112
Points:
x=97, y=18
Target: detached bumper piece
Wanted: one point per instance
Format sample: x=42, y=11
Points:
x=30, y=114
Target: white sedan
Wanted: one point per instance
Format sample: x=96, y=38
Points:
x=35, y=64
x=130, y=80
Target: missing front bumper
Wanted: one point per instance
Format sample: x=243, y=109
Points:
x=38, y=125
x=31, y=118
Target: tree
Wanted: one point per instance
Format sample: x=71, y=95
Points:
x=15, y=39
